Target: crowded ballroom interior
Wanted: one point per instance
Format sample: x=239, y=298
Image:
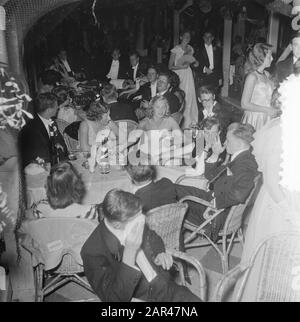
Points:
x=148, y=151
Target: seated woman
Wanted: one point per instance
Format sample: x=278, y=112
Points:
x=160, y=132
x=65, y=192
x=97, y=119
x=160, y=118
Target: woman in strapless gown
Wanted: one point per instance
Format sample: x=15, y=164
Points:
x=258, y=88
x=97, y=119
x=183, y=69
x=277, y=207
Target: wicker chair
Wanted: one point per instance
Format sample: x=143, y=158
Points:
x=230, y=233
x=61, y=124
x=167, y=221
x=272, y=274
x=72, y=145
x=55, y=244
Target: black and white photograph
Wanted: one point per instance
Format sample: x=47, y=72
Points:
x=149, y=154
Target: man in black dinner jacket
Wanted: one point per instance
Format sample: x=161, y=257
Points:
x=35, y=137
x=118, y=110
x=123, y=259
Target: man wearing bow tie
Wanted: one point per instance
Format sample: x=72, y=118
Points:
x=229, y=184
x=117, y=69
x=40, y=138
x=209, y=71
x=286, y=67
x=137, y=70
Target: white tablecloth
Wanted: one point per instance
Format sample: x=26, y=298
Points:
x=98, y=184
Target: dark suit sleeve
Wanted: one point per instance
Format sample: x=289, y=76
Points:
x=154, y=242
x=183, y=191
x=234, y=189
x=32, y=146
x=212, y=170
x=112, y=283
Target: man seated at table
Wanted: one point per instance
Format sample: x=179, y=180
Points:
x=117, y=110
x=212, y=108
x=117, y=65
x=163, y=89
x=40, y=136
x=147, y=91
x=230, y=184
x=123, y=259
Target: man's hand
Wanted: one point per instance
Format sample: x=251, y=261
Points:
x=59, y=147
x=196, y=63
x=145, y=104
x=133, y=243
x=165, y=260
x=208, y=71
x=217, y=147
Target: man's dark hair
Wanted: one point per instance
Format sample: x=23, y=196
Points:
x=109, y=91
x=64, y=186
x=134, y=53
x=209, y=122
x=119, y=205
x=244, y=132
x=141, y=173
x=166, y=74
x=206, y=90
x=45, y=101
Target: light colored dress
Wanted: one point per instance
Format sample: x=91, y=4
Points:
x=187, y=84
x=262, y=94
x=267, y=216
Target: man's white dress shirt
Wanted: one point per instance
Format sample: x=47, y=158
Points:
x=210, y=54
x=114, y=70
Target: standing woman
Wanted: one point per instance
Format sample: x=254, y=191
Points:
x=180, y=60
x=258, y=88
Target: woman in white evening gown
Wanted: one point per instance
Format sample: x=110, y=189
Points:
x=276, y=148
x=258, y=88
x=180, y=60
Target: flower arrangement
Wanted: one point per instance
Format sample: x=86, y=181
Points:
x=12, y=101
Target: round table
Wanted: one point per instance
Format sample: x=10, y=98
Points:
x=98, y=184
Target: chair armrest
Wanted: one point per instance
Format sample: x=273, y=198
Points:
x=198, y=200
x=225, y=286
x=184, y=176
x=202, y=287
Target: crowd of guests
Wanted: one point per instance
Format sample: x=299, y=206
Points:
x=152, y=97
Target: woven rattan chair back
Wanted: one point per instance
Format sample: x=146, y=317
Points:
x=235, y=217
x=72, y=144
x=61, y=124
x=167, y=221
x=55, y=244
x=280, y=269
